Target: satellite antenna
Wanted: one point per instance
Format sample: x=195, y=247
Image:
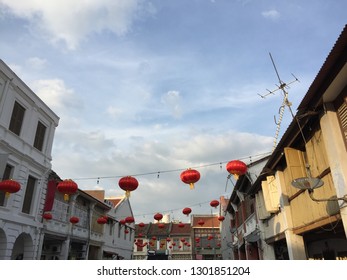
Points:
x=282, y=87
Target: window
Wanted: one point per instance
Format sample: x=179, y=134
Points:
x=39, y=136
x=17, y=118
x=29, y=194
x=342, y=116
x=7, y=175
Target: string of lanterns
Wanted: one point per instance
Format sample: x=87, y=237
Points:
x=128, y=184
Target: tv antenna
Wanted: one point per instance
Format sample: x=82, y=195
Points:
x=282, y=87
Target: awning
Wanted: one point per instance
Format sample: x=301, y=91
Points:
x=254, y=236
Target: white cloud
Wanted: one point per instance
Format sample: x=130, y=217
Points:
x=73, y=21
x=36, y=63
x=55, y=94
x=271, y=14
x=172, y=99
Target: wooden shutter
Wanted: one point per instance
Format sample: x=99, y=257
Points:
x=342, y=115
x=271, y=196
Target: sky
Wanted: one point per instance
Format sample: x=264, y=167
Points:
x=152, y=88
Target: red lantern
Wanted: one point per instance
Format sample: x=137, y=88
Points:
x=181, y=225
x=141, y=225
x=190, y=176
x=101, y=220
x=126, y=231
x=122, y=222
x=140, y=234
x=129, y=220
x=161, y=225
x=237, y=168
x=168, y=239
x=47, y=216
x=201, y=222
x=154, y=238
x=128, y=184
x=214, y=203
x=186, y=211
x=9, y=186
x=67, y=187
x=221, y=218
x=158, y=217
x=74, y=220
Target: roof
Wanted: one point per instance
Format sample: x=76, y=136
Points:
x=98, y=194
x=176, y=230
x=114, y=200
x=90, y=196
x=209, y=221
x=332, y=66
x=155, y=230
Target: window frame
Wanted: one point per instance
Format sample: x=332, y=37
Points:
x=17, y=118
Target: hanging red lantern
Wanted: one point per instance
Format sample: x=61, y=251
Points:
x=141, y=225
x=201, y=222
x=214, y=203
x=129, y=220
x=9, y=186
x=140, y=234
x=47, y=216
x=128, y=184
x=161, y=225
x=186, y=211
x=237, y=168
x=126, y=231
x=221, y=218
x=154, y=238
x=190, y=176
x=168, y=239
x=67, y=187
x=181, y=225
x=122, y=222
x=101, y=220
x=158, y=217
x=74, y=220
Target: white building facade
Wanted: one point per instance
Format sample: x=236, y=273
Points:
x=27, y=127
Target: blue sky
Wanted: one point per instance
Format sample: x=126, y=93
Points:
x=148, y=86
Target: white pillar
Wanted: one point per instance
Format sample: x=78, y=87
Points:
x=336, y=153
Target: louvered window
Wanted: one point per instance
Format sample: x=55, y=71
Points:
x=342, y=115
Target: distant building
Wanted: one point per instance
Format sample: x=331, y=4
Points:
x=206, y=236
x=165, y=241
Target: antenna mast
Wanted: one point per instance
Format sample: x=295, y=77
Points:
x=283, y=87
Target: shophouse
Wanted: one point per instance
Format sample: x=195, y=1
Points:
x=301, y=194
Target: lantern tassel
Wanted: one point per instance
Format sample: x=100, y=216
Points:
x=236, y=176
x=66, y=197
x=191, y=185
x=7, y=194
x=127, y=194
